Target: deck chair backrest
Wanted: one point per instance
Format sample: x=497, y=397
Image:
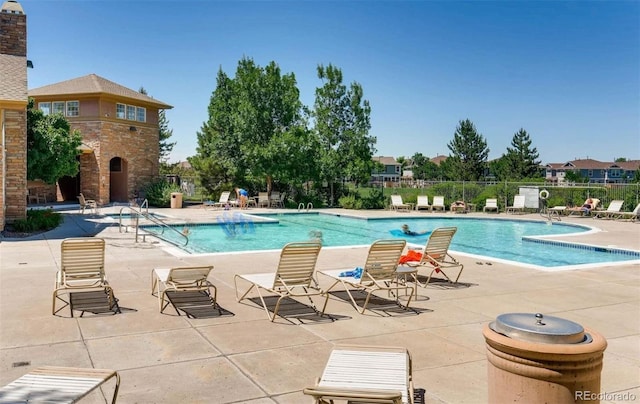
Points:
x=383, y=258
x=518, y=201
x=396, y=200
x=297, y=264
x=263, y=197
x=82, y=260
x=438, y=243
x=438, y=201
x=224, y=197
x=636, y=211
x=82, y=199
x=615, y=206
x=423, y=200
x=491, y=203
x=186, y=277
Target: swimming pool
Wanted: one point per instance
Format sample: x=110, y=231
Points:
x=520, y=241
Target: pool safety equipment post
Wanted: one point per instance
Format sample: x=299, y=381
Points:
x=542, y=359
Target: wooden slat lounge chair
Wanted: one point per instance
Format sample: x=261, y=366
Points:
x=294, y=277
x=87, y=203
x=518, y=205
x=438, y=203
x=436, y=256
x=397, y=204
x=82, y=270
x=423, y=202
x=52, y=384
x=491, y=205
x=612, y=211
x=371, y=374
x=379, y=273
x=181, y=279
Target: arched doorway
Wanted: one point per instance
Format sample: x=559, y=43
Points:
x=118, y=189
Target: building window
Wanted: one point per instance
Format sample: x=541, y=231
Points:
x=120, y=108
x=57, y=107
x=45, y=107
x=141, y=114
x=131, y=113
x=73, y=108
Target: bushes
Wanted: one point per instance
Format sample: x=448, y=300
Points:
x=158, y=193
x=374, y=200
x=38, y=220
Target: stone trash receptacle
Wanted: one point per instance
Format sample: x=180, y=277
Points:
x=542, y=359
x=176, y=200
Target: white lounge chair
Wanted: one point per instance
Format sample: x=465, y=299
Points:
x=491, y=205
x=223, y=201
x=54, y=384
x=423, y=202
x=397, y=203
x=294, y=277
x=631, y=216
x=612, y=211
x=181, y=279
x=378, y=273
x=518, y=205
x=371, y=374
x=82, y=270
x=87, y=203
x=438, y=203
x=436, y=256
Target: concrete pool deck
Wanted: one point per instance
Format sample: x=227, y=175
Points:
x=244, y=358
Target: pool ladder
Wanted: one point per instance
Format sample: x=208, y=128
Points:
x=301, y=206
x=137, y=212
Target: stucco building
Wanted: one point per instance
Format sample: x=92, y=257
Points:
x=120, y=130
x=13, y=112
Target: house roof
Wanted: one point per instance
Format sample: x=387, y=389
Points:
x=387, y=161
x=438, y=159
x=591, y=164
x=94, y=84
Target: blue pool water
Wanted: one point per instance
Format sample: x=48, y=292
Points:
x=495, y=238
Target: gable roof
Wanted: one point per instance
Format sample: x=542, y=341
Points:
x=591, y=164
x=387, y=161
x=438, y=159
x=94, y=84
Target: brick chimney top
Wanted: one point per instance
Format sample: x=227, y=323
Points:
x=11, y=7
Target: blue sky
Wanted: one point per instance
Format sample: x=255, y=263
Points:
x=566, y=72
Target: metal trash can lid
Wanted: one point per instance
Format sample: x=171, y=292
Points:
x=538, y=328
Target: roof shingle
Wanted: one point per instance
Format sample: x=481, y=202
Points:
x=94, y=84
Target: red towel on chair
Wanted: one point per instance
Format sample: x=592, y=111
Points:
x=412, y=255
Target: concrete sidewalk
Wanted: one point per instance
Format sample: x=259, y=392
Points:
x=241, y=357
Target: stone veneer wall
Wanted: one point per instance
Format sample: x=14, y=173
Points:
x=15, y=126
x=140, y=149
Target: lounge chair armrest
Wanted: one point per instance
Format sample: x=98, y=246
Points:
x=354, y=395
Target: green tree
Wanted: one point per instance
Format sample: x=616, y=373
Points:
x=342, y=124
x=521, y=159
x=52, y=148
x=218, y=158
x=424, y=169
x=164, y=134
x=469, y=153
x=499, y=168
x=256, y=130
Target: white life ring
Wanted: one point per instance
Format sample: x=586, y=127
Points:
x=544, y=194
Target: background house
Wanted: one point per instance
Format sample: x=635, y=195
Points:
x=119, y=128
x=595, y=171
x=390, y=173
